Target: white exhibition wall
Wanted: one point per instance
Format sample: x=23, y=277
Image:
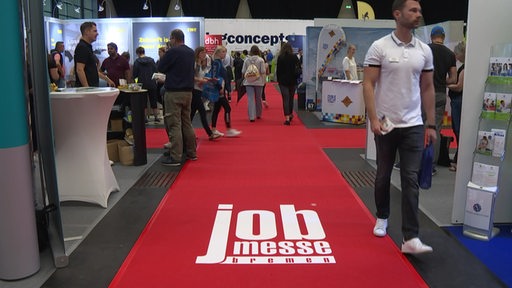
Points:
x=240, y=34
x=151, y=33
x=488, y=24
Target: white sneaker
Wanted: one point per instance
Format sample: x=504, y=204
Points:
x=167, y=145
x=232, y=133
x=380, y=227
x=415, y=246
x=217, y=132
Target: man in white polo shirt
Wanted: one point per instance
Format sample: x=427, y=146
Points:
x=398, y=79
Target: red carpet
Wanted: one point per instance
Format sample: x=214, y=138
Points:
x=267, y=209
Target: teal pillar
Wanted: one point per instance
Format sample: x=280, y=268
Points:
x=19, y=253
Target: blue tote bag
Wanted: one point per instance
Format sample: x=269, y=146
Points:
x=425, y=175
x=211, y=89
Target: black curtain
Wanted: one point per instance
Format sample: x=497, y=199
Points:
x=133, y=8
x=292, y=9
x=210, y=8
x=434, y=11
x=446, y=10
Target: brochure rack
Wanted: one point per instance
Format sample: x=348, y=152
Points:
x=489, y=154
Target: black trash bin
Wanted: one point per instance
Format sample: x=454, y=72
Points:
x=301, y=96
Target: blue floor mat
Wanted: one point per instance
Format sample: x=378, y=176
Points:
x=496, y=254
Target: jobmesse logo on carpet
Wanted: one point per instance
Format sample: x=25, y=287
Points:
x=256, y=238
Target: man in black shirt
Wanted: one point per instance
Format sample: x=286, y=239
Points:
x=445, y=72
x=59, y=61
x=86, y=63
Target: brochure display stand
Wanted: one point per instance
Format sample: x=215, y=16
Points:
x=489, y=154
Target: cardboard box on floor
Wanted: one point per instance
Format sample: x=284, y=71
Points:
x=116, y=125
x=120, y=151
x=112, y=150
x=125, y=153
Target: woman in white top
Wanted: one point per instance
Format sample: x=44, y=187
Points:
x=349, y=63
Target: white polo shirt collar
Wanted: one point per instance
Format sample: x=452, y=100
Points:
x=399, y=43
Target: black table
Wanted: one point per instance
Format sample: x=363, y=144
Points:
x=137, y=100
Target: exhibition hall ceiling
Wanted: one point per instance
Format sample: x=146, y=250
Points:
x=434, y=11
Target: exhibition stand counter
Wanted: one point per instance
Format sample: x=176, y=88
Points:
x=342, y=101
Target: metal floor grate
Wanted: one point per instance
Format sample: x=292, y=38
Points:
x=358, y=179
x=156, y=179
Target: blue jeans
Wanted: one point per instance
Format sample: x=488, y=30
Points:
x=409, y=142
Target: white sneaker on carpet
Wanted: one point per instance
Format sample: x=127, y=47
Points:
x=167, y=145
x=217, y=132
x=380, y=227
x=232, y=133
x=415, y=246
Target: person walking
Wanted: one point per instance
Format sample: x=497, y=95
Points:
x=455, y=94
x=202, y=66
x=254, y=87
x=178, y=66
x=445, y=73
x=398, y=80
x=238, y=63
x=218, y=68
x=286, y=72
x=228, y=65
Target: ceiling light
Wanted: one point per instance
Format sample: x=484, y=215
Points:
x=59, y=5
x=147, y=5
x=100, y=7
x=77, y=10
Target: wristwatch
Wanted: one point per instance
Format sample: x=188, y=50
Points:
x=432, y=127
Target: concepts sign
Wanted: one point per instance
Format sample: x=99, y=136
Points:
x=256, y=239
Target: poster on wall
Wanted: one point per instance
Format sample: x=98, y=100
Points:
x=109, y=30
x=55, y=33
x=155, y=33
x=128, y=34
x=211, y=42
x=297, y=42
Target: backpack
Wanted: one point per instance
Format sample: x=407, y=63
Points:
x=252, y=73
